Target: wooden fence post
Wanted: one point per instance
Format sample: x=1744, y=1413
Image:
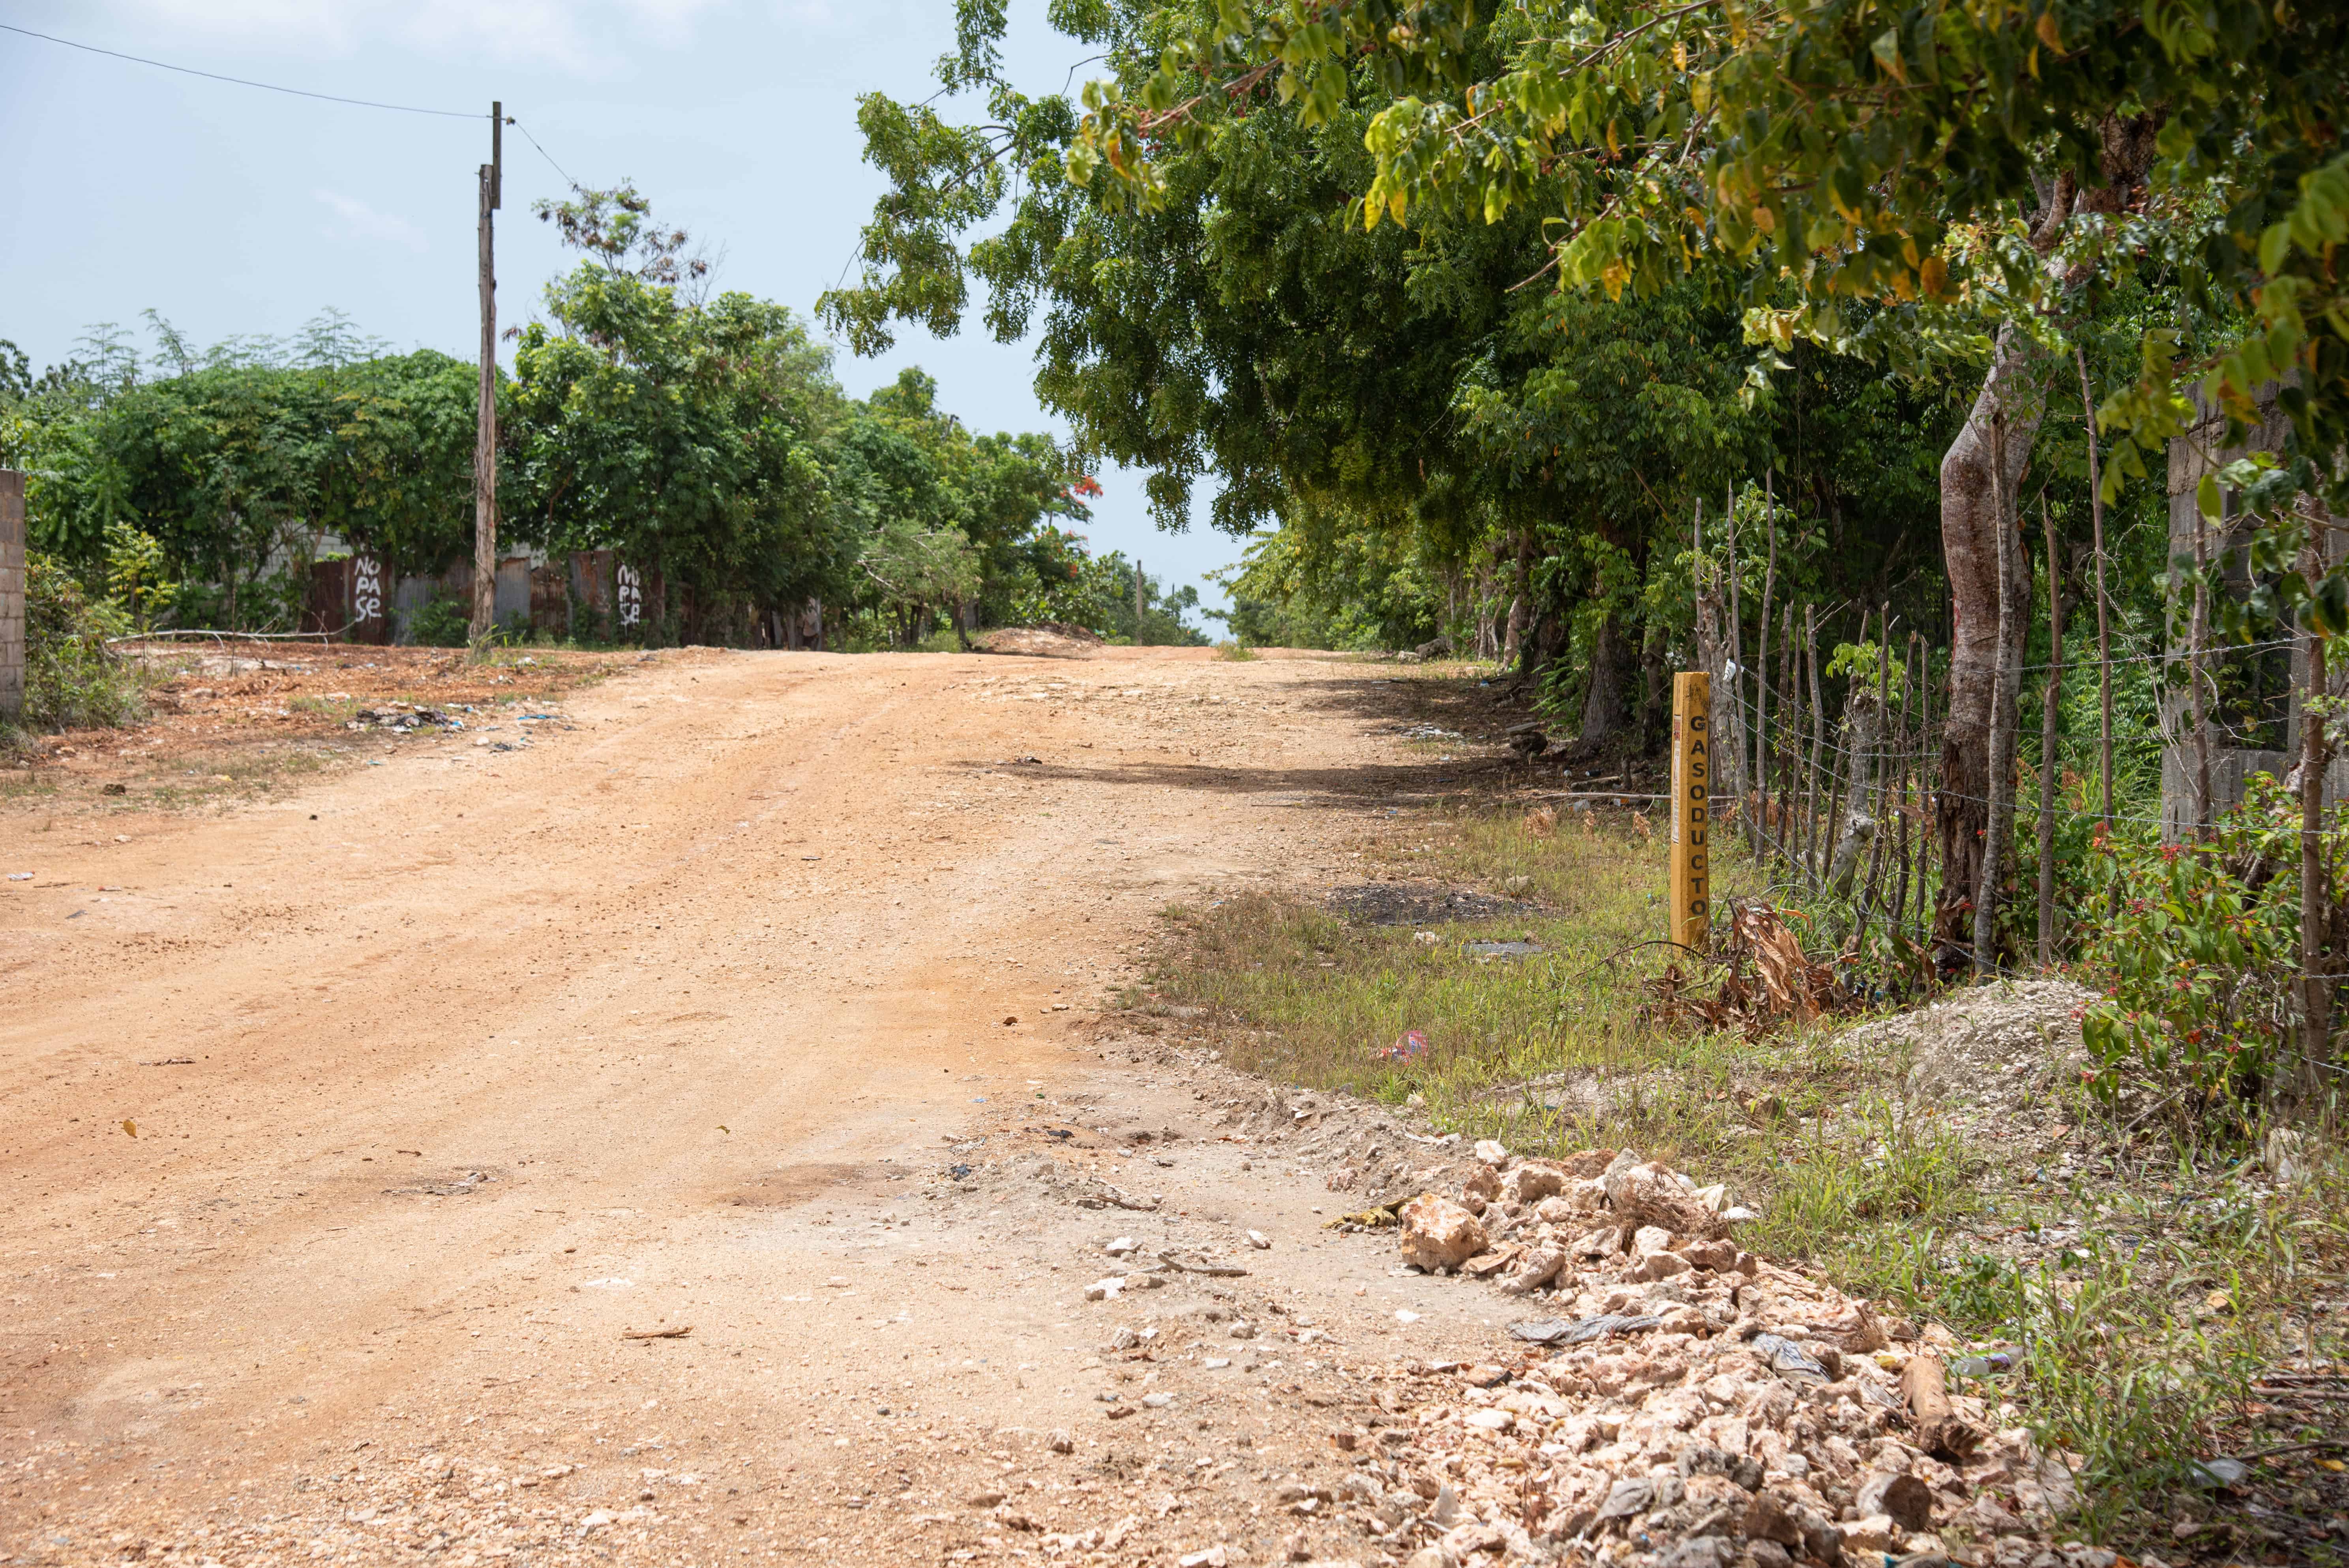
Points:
x=1691, y=917
x=12, y=597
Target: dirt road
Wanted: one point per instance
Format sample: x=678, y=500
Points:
x=752, y=1004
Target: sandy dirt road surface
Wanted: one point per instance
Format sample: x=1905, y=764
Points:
x=755, y=1004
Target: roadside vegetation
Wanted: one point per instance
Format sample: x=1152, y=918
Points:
x=71, y=680
x=2153, y=1273
x=699, y=435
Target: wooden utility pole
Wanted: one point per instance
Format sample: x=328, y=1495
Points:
x=485, y=421
x=13, y=586
x=1137, y=601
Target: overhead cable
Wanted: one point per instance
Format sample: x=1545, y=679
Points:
x=244, y=82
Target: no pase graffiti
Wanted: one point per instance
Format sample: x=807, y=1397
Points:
x=1691, y=917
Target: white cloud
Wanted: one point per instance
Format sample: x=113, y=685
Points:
x=361, y=221
x=587, y=37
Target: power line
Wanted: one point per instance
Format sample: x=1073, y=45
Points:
x=243, y=82
x=543, y=152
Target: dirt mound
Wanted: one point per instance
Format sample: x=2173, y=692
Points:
x=1046, y=639
x=1992, y=1045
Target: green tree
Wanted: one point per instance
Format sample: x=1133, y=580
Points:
x=686, y=437
x=1954, y=180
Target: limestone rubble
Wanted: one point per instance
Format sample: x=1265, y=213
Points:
x=1679, y=1401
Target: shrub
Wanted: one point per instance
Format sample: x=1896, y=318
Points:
x=443, y=621
x=2201, y=956
x=71, y=680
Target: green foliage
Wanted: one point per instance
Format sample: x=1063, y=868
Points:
x=1392, y=405
x=443, y=621
x=1890, y=186
x=244, y=453
x=1864, y=664
x=71, y=681
x=897, y=458
x=136, y=575
x=1332, y=580
x=915, y=571
x=2200, y=961
x=683, y=436
x=701, y=439
x=1097, y=594
x=616, y=230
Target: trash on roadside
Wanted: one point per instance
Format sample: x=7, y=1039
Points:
x=1561, y=1331
x=1486, y=952
x=1788, y=1358
x=1410, y=1045
x=2217, y=1473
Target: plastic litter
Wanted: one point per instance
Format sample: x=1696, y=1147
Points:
x=1561, y=1331
x=1788, y=1358
x=1410, y=1045
x=2215, y=1474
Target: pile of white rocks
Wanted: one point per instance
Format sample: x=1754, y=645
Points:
x=1679, y=1402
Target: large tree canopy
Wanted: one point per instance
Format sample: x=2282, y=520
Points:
x=1951, y=164
x=1513, y=446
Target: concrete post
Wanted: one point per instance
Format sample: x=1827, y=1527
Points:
x=12, y=597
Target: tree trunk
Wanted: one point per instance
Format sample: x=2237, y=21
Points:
x=1513, y=641
x=2197, y=638
x=2005, y=708
x=1606, y=707
x=1863, y=729
x=1974, y=501
x=1815, y=846
x=1656, y=693
x=1762, y=686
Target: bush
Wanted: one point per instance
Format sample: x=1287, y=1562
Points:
x=2200, y=961
x=443, y=621
x=71, y=680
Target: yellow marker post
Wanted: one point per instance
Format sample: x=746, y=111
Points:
x=1692, y=918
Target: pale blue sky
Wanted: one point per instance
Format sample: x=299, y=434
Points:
x=233, y=210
